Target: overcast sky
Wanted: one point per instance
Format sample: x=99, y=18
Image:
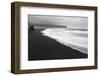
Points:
x=69, y=21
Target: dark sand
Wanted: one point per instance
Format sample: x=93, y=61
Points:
x=44, y=48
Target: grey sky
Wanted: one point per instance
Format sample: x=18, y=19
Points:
x=69, y=21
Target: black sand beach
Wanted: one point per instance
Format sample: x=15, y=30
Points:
x=44, y=48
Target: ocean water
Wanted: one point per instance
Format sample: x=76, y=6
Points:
x=76, y=39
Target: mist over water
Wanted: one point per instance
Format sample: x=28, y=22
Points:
x=76, y=39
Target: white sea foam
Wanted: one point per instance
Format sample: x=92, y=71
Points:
x=75, y=39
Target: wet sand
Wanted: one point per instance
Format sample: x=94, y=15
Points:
x=44, y=48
